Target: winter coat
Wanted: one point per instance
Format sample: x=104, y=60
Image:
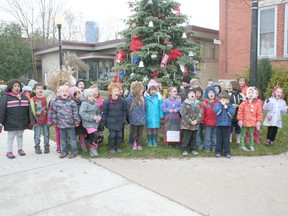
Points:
x=274, y=110
x=171, y=104
x=223, y=116
x=190, y=113
x=15, y=114
x=154, y=110
x=250, y=113
x=88, y=110
x=137, y=116
x=209, y=117
x=65, y=113
x=236, y=98
x=114, y=113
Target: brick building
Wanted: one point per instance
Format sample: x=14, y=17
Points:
x=235, y=34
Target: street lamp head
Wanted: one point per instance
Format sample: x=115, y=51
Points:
x=58, y=21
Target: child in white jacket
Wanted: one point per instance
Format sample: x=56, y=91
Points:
x=275, y=106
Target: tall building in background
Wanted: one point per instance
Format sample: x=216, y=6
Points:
x=92, y=31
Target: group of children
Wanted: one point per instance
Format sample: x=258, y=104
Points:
x=84, y=112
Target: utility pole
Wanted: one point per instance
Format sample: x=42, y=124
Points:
x=254, y=44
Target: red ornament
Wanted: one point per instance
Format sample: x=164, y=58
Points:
x=120, y=56
x=130, y=5
x=176, y=8
x=160, y=16
x=166, y=41
x=154, y=74
x=135, y=43
x=178, y=14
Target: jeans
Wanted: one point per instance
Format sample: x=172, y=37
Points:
x=210, y=138
x=223, y=142
x=37, y=135
x=64, y=134
x=115, y=138
x=200, y=134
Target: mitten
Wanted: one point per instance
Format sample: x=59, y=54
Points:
x=240, y=123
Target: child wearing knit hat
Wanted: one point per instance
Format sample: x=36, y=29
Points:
x=154, y=112
x=192, y=114
x=75, y=94
x=91, y=117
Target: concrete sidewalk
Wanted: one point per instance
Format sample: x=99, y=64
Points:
x=46, y=185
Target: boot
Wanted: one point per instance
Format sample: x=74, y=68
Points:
x=93, y=149
x=154, y=139
x=83, y=147
x=134, y=147
x=238, y=138
x=150, y=141
x=231, y=137
x=112, y=145
x=118, y=144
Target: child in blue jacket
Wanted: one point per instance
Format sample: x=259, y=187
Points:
x=224, y=111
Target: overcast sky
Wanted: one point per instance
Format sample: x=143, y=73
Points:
x=204, y=13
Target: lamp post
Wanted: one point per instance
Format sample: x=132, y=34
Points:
x=59, y=22
x=254, y=45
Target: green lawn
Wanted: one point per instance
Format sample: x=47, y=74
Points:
x=162, y=151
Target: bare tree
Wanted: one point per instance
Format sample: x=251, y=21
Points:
x=33, y=15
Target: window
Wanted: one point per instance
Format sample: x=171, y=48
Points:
x=267, y=32
x=286, y=31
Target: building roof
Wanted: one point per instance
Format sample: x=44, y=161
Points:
x=78, y=46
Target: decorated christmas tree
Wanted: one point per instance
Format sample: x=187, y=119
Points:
x=156, y=44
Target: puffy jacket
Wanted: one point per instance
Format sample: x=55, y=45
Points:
x=171, y=103
x=65, y=113
x=209, y=117
x=236, y=98
x=137, y=116
x=250, y=113
x=88, y=110
x=190, y=113
x=14, y=113
x=114, y=113
x=224, y=116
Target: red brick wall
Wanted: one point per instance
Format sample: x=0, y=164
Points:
x=235, y=33
x=280, y=30
x=235, y=28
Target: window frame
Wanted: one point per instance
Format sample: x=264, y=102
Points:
x=275, y=31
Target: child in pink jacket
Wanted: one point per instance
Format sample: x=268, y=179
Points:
x=249, y=116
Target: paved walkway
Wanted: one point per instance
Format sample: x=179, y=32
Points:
x=46, y=185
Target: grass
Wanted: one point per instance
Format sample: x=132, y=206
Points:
x=162, y=151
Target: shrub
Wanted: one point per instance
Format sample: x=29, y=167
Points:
x=279, y=77
x=103, y=83
x=264, y=73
